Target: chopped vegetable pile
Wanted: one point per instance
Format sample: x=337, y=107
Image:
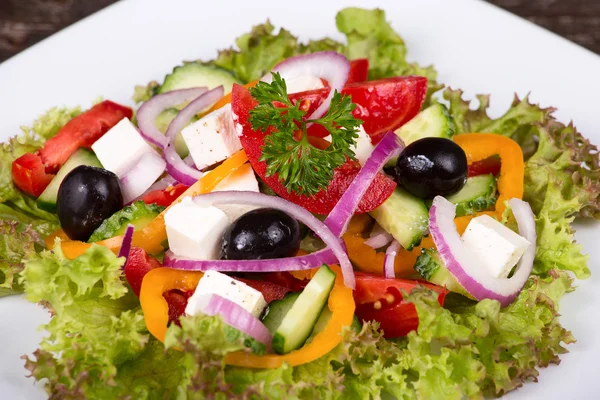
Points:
x=296, y=221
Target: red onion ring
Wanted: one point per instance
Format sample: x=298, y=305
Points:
x=378, y=238
x=126, y=244
x=175, y=165
x=465, y=267
x=301, y=214
x=308, y=261
x=238, y=318
x=329, y=65
x=138, y=179
x=147, y=113
x=390, y=259
x=337, y=220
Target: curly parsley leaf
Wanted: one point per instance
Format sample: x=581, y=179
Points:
x=302, y=167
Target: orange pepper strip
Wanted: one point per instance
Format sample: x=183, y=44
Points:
x=155, y=233
x=367, y=259
x=341, y=304
x=227, y=98
x=154, y=305
x=479, y=146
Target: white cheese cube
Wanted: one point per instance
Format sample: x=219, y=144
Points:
x=242, y=179
x=363, y=146
x=195, y=231
x=303, y=83
x=213, y=138
x=122, y=147
x=214, y=282
x=496, y=246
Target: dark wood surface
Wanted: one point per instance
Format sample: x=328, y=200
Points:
x=26, y=22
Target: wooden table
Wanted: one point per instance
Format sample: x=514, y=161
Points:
x=26, y=22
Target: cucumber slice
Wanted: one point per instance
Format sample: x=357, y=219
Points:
x=139, y=214
x=432, y=269
x=48, y=198
x=478, y=194
x=321, y=323
x=162, y=123
x=277, y=310
x=404, y=216
x=434, y=121
x=301, y=319
x=195, y=74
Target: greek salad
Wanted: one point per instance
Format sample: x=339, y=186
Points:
x=296, y=220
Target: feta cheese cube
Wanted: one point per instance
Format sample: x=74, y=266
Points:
x=214, y=282
x=122, y=147
x=363, y=146
x=213, y=138
x=303, y=83
x=195, y=231
x=497, y=247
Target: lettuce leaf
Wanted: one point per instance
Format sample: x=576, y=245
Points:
x=17, y=241
x=96, y=325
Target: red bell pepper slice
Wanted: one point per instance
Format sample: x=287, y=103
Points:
x=33, y=172
x=322, y=202
x=380, y=299
x=490, y=165
x=138, y=265
x=270, y=291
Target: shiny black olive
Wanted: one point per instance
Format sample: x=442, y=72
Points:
x=432, y=166
x=261, y=234
x=87, y=196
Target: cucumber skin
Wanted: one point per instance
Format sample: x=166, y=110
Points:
x=280, y=342
x=220, y=76
x=272, y=322
x=87, y=158
x=432, y=269
x=486, y=200
x=399, y=205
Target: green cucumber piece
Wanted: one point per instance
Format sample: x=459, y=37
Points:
x=162, y=123
x=277, y=310
x=430, y=266
x=434, y=121
x=139, y=214
x=403, y=216
x=48, y=198
x=300, y=320
x=478, y=194
x=195, y=74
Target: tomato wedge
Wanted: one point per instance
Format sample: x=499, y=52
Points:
x=359, y=70
x=490, y=165
x=324, y=201
x=29, y=174
x=166, y=196
x=380, y=299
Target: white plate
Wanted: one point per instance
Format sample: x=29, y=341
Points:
x=474, y=46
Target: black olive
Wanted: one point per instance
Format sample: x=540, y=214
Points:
x=432, y=166
x=86, y=197
x=261, y=234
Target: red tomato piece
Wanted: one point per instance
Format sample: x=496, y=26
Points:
x=177, y=301
x=82, y=131
x=324, y=201
x=138, y=265
x=166, y=196
x=490, y=165
x=285, y=279
x=380, y=299
x=387, y=104
x=29, y=174
x=270, y=291
x=359, y=71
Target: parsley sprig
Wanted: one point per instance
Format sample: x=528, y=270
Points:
x=300, y=166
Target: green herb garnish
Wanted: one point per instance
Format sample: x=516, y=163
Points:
x=300, y=166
